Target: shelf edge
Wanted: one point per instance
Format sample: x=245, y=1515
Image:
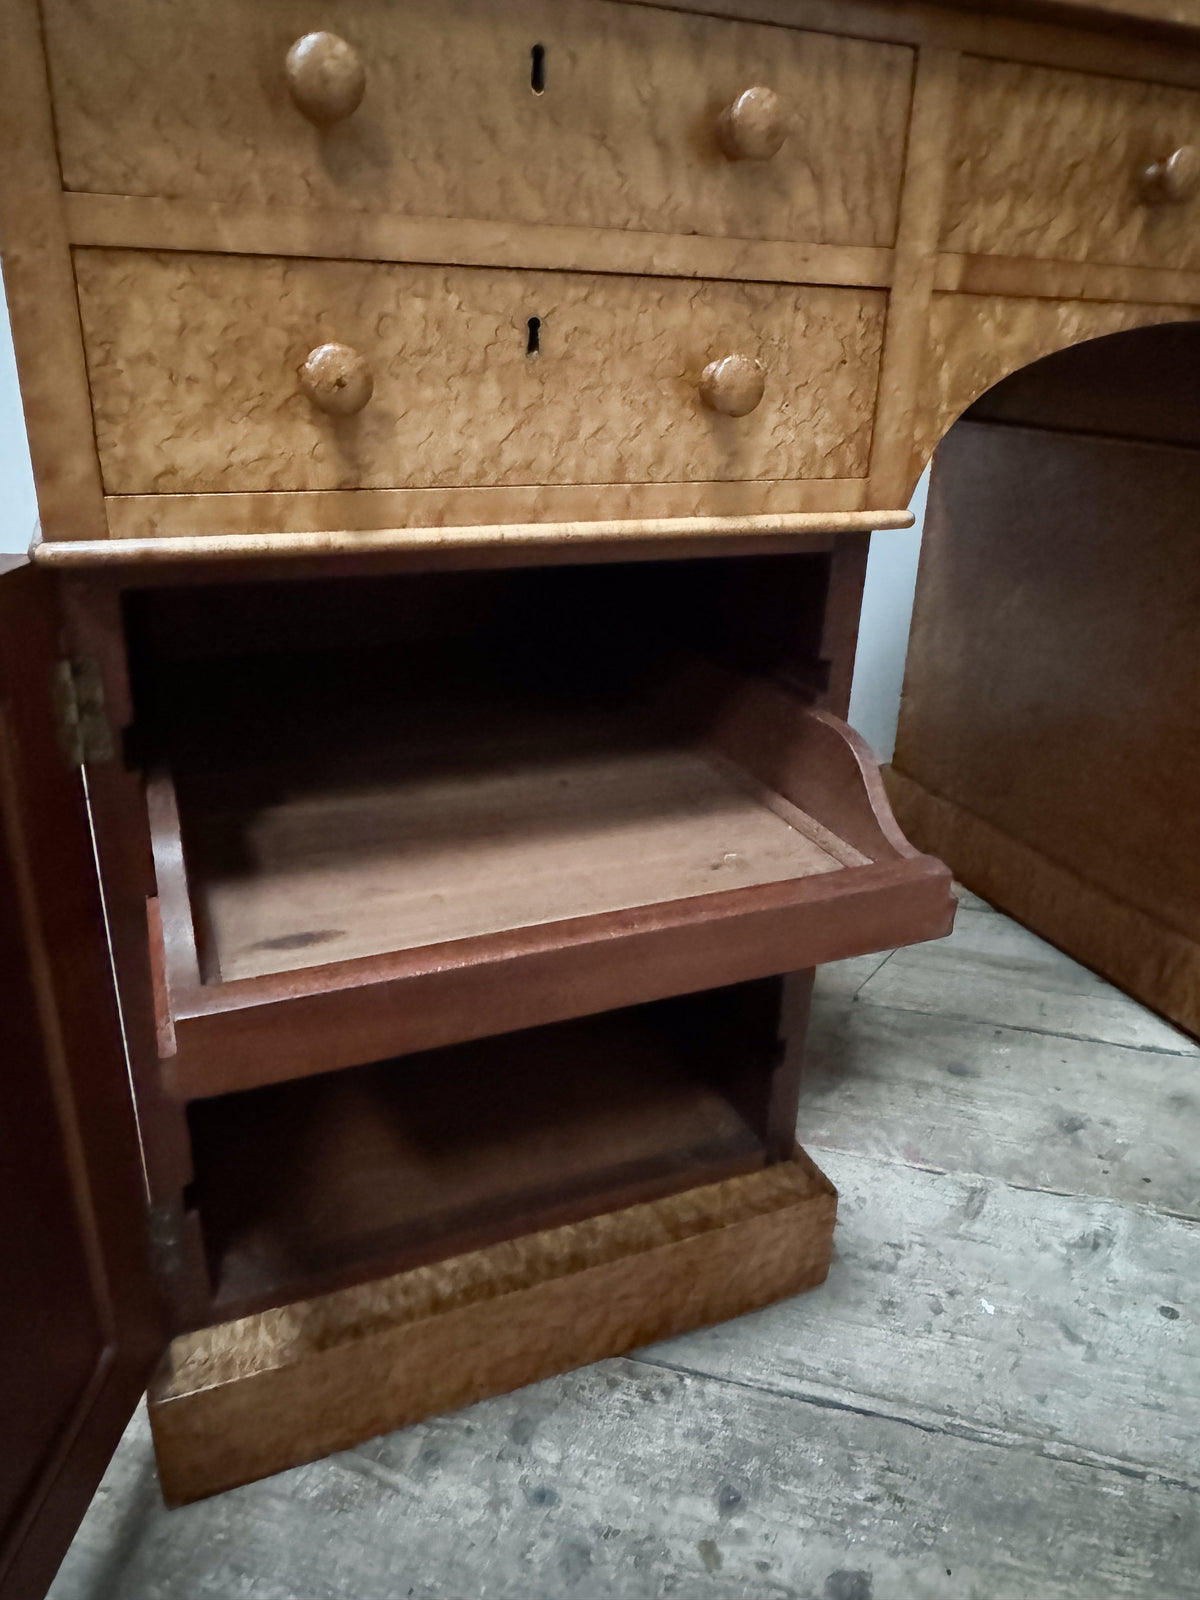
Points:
x=225, y=547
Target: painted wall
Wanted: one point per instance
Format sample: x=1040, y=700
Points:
x=883, y=633
x=18, y=507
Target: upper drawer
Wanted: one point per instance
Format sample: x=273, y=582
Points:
x=1051, y=165
x=176, y=98
x=195, y=364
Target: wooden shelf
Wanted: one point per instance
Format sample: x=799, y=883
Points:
x=484, y=816
x=511, y=536
x=452, y=884
x=536, y=796
x=333, y=1178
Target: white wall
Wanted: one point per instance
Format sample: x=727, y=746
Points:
x=18, y=507
x=883, y=634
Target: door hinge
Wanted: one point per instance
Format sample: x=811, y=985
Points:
x=166, y=1241
x=83, y=726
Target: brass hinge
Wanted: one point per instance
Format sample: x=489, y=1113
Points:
x=83, y=726
x=166, y=1241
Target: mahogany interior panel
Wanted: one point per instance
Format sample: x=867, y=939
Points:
x=468, y=818
x=407, y=762
x=399, y=814
x=331, y=1178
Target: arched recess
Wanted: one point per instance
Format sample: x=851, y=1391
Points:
x=1049, y=739
x=976, y=341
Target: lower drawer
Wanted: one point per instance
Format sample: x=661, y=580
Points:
x=252, y=1397
x=463, y=376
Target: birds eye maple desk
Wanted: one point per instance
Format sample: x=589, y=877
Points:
x=457, y=429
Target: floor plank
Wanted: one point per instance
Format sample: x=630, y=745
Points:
x=842, y=980
x=1062, y=1324
x=992, y=970
x=1034, y=1109
x=631, y=1481
x=996, y=1396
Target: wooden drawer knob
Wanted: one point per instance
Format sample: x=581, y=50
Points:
x=337, y=379
x=326, y=77
x=733, y=385
x=1174, y=179
x=754, y=126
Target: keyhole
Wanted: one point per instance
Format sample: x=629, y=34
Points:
x=537, y=69
x=533, y=342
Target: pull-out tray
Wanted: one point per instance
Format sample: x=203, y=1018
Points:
x=472, y=864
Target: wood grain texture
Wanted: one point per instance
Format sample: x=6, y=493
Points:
x=975, y=340
x=1180, y=13
x=969, y=1306
x=466, y=848
x=542, y=513
x=958, y=1439
x=1049, y=1111
x=1051, y=684
x=1037, y=31
x=915, y=263
x=1158, y=963
x=264, y=1030
x=571, y=1482
x=83, y=1324
x=1141, y=385
x=40, y=290
x=311, y=1186
x=253, y=1397
x=154, y=223
x=166, y=99
x=503, y=544
x=1125, y=944
x=1048, y=165
x=194, y=360
x=117, y=817
x=347, y=924
x=1066, y=280
x=997, y=972
x=1062, y=717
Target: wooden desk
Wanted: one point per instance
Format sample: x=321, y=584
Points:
x=457, y=435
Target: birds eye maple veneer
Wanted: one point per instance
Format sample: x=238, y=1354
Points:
x=457, y=431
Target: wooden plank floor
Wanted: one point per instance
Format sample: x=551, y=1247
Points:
x=996, y=1394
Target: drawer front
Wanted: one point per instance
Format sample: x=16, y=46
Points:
x=1051, y=165
x=174, y=98
x=195, y=364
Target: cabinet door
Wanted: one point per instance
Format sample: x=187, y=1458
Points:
x=81, y=1326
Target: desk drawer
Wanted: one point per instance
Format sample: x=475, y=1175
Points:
x=195, y=364
x=1051, y=165
x=177, y=99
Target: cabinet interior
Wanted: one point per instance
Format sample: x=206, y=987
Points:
x=393, y=813
x=305, y=1185
x=378, y=766
x=472, y=892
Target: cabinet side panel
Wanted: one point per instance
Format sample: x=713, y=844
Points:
x=1052, y=689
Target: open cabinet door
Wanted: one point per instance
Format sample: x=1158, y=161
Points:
x=81, y=1325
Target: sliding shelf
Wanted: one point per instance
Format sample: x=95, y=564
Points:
x=387, y=864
